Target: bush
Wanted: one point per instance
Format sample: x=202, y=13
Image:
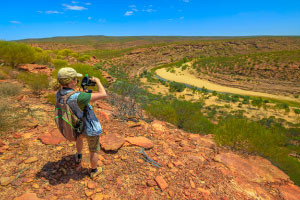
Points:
x=162, y=111
x=14, y=54
x=197, y=123
x=42, y=58
x=9, y=89
x=51, y=98
x=65, y=52
x=241, y=134
x=185, y=110
x=37, y=82
x=84, y=58
x=176, y=87
x=10, y=117
x=257, y=102
x=297, y=111
x=59, y=63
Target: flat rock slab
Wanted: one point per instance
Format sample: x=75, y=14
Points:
x=111, y=142
x=290, y=192
x=28, y=196
x=254, y=168
x=140, y=141
x=53, y=137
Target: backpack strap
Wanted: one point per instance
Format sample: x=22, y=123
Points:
x=66, y=96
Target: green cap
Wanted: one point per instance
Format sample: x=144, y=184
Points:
x=66, y=75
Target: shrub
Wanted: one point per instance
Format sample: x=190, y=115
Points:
x=84, y=58
x=37, y=82
x=59, y=63
x=257, y=102
x=51, y=98
x=10, y=117
x=185, y=110
x=197, y=123
x=9, y=89
x=176, y=87
x=241, y=134
x=162, y=111
x=297, y=111
x=65, y=52
x=13, y=53
x=42, y=58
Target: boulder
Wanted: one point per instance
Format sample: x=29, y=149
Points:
x=27, y=196
x=111, y=142
x=158, y=126
x=53, y=137
x=290, y=192
x=140, y=141
x=254, y=168
x=161, y=182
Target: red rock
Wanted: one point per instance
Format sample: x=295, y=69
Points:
x=35, y=68
x=17, y=135
x=161, y=182
x=151, y=183
x=2, y=143
x=254, y=168
x=132, y=124
x=27, y=196
x=104, y=114
x=140, y=141
x=54, y=137
x=111, y=142
x=177, y=163
x=104, y=106
x=290, y=192
x=158, y=126
x=203, y=191
x=91, y=185
x=119, y=180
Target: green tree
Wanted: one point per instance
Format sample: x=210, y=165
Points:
x=14, y=54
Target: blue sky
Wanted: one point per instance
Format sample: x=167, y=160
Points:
x=47, y=18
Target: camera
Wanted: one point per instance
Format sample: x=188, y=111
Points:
x=86, y=82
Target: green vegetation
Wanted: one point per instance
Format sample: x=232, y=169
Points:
x=14, y=54
x=37, y=82
x=176, y=87
x=9, y=89
x=252, y=137
x=51, y=98
x=58, y=63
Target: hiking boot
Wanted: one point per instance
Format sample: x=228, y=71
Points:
x=78, y=158
x=95, y=174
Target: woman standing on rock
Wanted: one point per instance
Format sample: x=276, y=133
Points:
x=78, y=102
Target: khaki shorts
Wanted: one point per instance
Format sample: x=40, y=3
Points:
x=93, y=142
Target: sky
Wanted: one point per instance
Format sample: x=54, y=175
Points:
x=21, y=19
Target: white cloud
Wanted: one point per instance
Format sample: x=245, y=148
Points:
x=181, y=18
x=89, y=18
x=52, y=12
x=128, y=13
x=15, y=22
x=148, y=10
x=186, y=1
x=88, y=4
x=134, y=9
x=69, y=7
x=75, y=2
x=102, y=20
